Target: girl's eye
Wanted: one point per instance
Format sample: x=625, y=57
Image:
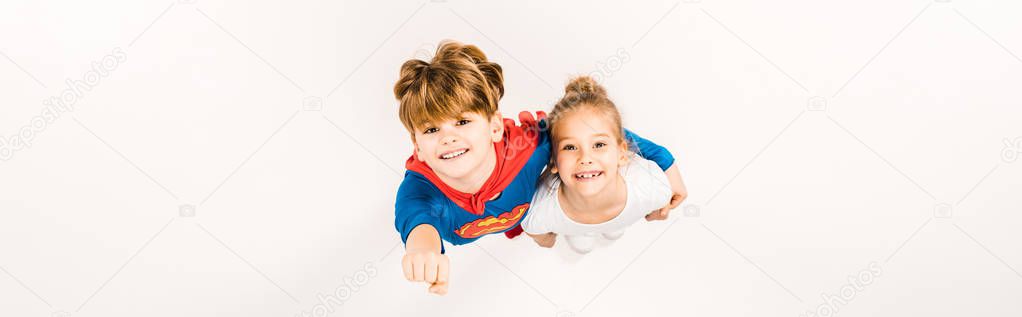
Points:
x=429, y=130
x=568, y=147
x=599, y=145
x=463, y=122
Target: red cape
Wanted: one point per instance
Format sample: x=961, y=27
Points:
x=512, y=153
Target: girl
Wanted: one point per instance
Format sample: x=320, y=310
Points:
x=595, y=185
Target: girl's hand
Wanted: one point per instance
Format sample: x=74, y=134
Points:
x=680, y=193
x=545, y=240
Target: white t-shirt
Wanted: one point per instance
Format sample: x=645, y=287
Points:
x=648, y=190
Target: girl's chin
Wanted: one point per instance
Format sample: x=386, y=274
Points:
x=584, y=190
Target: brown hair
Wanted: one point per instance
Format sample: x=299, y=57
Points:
x=458, y=79
x=582, y=93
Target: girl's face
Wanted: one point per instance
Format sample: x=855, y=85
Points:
x=456, y=149
x=588, y=152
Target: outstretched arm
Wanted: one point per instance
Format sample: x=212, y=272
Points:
x=423, y=260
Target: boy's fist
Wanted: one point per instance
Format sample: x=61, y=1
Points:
x=427, y=266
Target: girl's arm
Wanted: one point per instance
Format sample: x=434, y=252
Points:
x=679, y=195
x=663, y=158
x=545, y=240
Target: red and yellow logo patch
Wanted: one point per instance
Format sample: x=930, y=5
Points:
x=491, y=224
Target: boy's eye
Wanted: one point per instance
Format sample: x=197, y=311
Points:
x=463, y=122
x=568, y=147
x=429, y=130
x=599, y=145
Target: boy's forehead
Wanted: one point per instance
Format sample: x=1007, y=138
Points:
x=447, y=118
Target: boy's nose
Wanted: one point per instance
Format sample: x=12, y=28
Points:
x=448, y=139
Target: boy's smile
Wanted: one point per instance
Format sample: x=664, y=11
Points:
x=460, y=150
x=453, y=154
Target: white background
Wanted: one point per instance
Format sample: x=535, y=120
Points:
x=920, y=98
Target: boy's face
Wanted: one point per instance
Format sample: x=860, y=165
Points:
x=588, y=153
x=458, y=148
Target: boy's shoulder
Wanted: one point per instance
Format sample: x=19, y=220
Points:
x=416, y=186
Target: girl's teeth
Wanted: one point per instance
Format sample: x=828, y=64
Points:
x=588, y=175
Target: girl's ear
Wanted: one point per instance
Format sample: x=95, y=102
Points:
x=625, y=154
x=496, y=128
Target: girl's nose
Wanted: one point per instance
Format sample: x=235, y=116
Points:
x=585, y=159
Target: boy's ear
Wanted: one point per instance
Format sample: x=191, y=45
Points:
x=417, y=150
x=496, y=128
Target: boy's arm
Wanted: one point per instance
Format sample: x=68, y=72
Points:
x=423, y=261
x=419, y=222
x=650, y=151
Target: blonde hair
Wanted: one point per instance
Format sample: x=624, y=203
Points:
x=582, y=93
x=458, y=79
